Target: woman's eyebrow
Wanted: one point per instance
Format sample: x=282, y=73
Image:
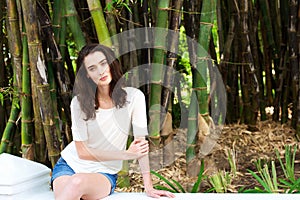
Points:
x=101, y=61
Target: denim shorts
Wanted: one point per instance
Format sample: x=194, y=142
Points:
x=62, y=168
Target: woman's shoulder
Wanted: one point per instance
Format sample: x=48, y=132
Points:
x=132, y=92
x=75, y=104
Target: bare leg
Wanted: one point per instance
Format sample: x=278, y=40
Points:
x=88, y=186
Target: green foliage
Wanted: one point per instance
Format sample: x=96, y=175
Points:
x=175, y=186
x=288, y=167
x=6, y=93
x=115, y=5
x=220, y=181
x=270, y=182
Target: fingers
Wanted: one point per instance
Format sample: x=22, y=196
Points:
x=138, y=148
x=158, y=193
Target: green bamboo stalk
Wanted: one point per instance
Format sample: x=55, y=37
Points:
x=26, y=110
x=15, y=46
x=57, y=18
x=200, y=78
x=11, y=124
x=208, y=13
x=73, y=23
x=65, y=78
x=157, y=76
x=192, y=135
x=99, y=21
x=193, y=32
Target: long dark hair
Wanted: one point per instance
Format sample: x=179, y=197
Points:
x=86, y=90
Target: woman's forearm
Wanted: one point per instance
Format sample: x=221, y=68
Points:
x=137, y=149
x=145, y=170
x=86, y=153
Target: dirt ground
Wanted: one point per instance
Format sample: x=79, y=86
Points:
x=247, y=147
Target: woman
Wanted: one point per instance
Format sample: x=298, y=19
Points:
x=103, y=113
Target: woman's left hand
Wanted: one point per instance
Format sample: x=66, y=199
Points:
x=159, y=193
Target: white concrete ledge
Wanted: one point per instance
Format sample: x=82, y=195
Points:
x=206, y=196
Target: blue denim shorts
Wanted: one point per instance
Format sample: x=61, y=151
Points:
x=62, y=168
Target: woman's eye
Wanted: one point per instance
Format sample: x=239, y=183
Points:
x=103, y=63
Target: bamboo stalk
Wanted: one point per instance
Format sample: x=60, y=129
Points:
x=14, y=41
x=294, y=58
x=298, y=104
x=111, y=25
x=27, y=133
x=157, y=75
x=192, y=130
x=53, y=144
x=11, y=124
x=173, y=38
x=208, y=12
x=99, y=21
x=57, y=18
x=269, y=48
x=73, y=23
x=2, y=70
x=192, y=32
x=249, y=85
x=41, y=99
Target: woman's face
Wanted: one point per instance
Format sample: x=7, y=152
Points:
x=97, y=68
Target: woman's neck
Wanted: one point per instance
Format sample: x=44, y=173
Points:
x=104, y=99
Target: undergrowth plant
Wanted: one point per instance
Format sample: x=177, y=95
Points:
x=220, y=181
x=270, y=182
x=176, y=187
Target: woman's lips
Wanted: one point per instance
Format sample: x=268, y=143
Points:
x=103, y=78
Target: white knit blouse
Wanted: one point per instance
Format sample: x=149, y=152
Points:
x=108, y=132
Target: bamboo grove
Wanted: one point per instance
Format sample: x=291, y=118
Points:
x=253, y=44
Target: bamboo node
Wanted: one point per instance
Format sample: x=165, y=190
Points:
x=95, y=9
x=200, y=88
x=5, y=141
x=26, y=121
x=12, y=121
x=157, y=82
x=70, y=15
x=26, y=145
x=34, y=44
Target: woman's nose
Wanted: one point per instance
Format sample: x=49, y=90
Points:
x=102, y=70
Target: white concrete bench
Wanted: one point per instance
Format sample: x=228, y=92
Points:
x=206, y=196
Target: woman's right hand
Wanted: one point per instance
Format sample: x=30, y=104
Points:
x=137, y=149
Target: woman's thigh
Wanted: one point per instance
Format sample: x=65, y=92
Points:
x=66, y=182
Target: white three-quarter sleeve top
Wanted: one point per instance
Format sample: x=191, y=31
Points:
x=108, y=132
